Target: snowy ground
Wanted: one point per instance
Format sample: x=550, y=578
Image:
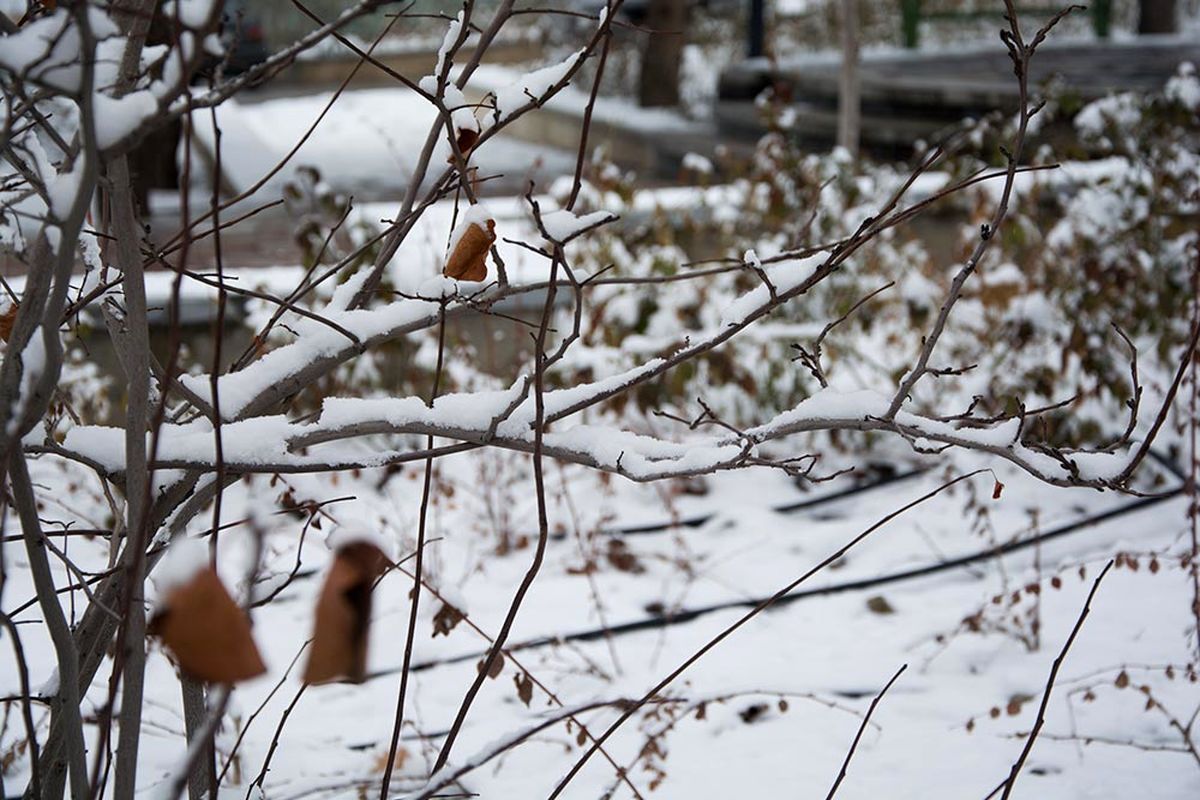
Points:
x=771, y=711
x=367, y=143
x=825, y=655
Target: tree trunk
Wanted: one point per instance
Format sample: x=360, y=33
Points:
x=849, y=102
x=663, y=53
x=1157, y=16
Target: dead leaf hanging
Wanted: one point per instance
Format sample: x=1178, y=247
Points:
x=7, y=320
x=206, y=632
x=466, y=139
x=468, y=259
x=446, y=618
x=339, y=645
x=524, y=687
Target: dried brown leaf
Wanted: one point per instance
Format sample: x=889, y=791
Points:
x=343, y=618
x=446, y=619
x=879, y=605
x=497, y=666
x=7, y=319
x=466, y=139
x=206, y=632
x=468, y=262
x=524, y=687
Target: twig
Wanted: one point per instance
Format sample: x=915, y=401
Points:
x=862, y=727
x=749, y=615
x=1041, y=714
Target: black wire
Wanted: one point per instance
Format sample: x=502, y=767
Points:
x=688, y=615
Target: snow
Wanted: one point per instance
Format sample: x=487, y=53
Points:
x=193, y=14
x=827, y=655
x=363, y=144
x=783, y=275
x=531, y=87
x=186, y=557
x=464, y=411
x=63, y=187
x=118, y=117
x=1184, y=87
x=49, y=687
x=476, y=215
x=237, y=390
x=698, y=164
x=101, y=443
x=825, y=650
x=1120, y=109
x=1004, y=274
x=619, y=111
x=33, y=364
x=46, y=49
x=453, y=30
x=358, y=532
x=563, y=225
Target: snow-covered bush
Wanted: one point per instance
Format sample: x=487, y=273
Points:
x=361, y=385
x=1044, y=322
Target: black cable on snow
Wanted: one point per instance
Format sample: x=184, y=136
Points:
x=688, y=615
x=696, y=520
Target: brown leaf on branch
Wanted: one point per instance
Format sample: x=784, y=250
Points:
x=206, y=632
x=398, y=760
x=495, y=668
x=468, y=261
x=466, y=139
x=446, y=618
x=339, y=645
x=524, y=687
x=7, y=319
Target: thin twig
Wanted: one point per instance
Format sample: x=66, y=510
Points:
x=1041, y=713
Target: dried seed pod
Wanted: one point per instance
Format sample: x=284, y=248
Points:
x=468, y=257
x=339, y=645
x=206, y=632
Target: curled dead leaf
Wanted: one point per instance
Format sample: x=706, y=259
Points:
x=446, y=618
x=465, y=139
x=7, y=319
x=398, y=760
x=524, y=687
x=1016, y=703
x=340, y=633
x=622, y=558
x=468, y=261
x=494, y=668
x=206, y=632
x=879, y=605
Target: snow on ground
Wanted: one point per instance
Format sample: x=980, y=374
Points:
x=621, y=111
x=368, y=143
x=825, y=655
